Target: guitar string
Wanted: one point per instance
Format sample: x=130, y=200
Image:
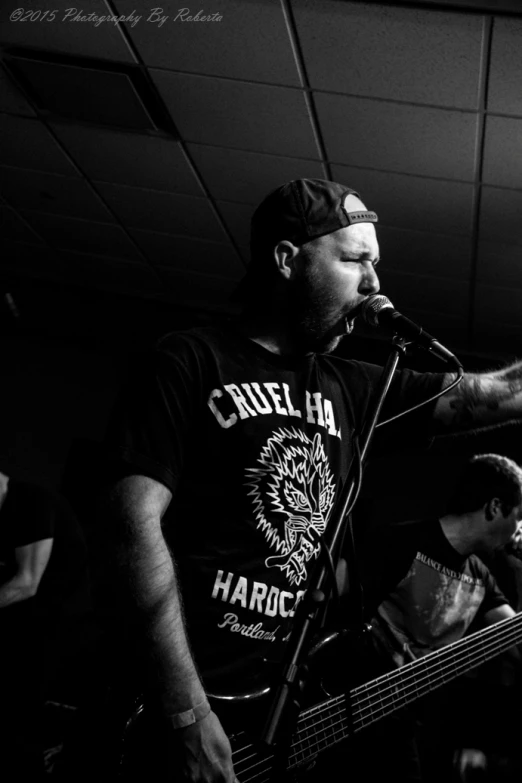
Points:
x=463, y=644
x=242, y=770
x=401, y=676
x=370, y=714
x=463, y=648
x=424, y=684
x=491, y=634
x=343, y=729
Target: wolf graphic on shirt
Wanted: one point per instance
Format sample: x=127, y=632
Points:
x=294, y=480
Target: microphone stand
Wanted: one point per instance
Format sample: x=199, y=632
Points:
x=306, y=618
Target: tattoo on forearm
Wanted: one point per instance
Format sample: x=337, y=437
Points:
x=472, y=400
x=512, y=377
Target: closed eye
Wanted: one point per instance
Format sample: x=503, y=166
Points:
x=347, y=259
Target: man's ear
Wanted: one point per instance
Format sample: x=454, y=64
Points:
x=492, y=508
x=284, y=255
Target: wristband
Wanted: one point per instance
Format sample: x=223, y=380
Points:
x=182, y=719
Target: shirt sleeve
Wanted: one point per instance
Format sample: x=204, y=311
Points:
x=151, y=420
x=494, y=596
x=408, y=389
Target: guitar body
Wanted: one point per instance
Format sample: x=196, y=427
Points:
x=146, y=735
x=327, y=723
x=144, y=753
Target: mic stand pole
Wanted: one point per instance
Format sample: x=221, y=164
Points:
x=314, y=597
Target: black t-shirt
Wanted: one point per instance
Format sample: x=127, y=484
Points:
x=32, y=513
x=254, y=447
x=427, y=594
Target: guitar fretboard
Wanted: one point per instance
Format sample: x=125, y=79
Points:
x=340, y=717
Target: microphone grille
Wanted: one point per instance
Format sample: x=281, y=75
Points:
x=371, y=308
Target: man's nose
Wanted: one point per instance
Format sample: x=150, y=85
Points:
x=370, y=282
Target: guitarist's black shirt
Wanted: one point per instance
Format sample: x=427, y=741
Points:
x=254, y=447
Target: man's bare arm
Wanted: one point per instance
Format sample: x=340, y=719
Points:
x=482, y=399
x=31, y=561
x=138, y=502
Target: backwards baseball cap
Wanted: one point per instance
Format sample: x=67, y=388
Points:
x=298, y=211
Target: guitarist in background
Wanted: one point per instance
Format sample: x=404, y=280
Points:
x=232, y=443
x=435, y=587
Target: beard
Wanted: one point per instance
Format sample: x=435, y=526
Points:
x=314, y=316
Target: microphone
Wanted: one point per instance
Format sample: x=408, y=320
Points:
x=378, y=311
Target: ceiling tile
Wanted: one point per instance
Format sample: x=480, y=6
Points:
x=503, y=152
x=51, y=193
x=395, y=137
x=505, y=73
x=237, y=114
x=191, y=290
x=13, y=227
x=399, y=53
x=39, y=150
x=418, y=203
x=129, y=159
x=499, y=264
x=233, y=175
x=417, y=252
x=493, y=303
x=99, y=94
x=250, y=39
x=69, y=31
x=437, y=294
x=83, y=269
x=83, y=235
x=167, y=212
x=24, y=259
x=11, y=98
x=237, y=219
x=500, y=212
x=189, y=255
x=123, y=276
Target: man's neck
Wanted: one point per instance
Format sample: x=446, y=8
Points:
x=460, y=532
x=271, y=334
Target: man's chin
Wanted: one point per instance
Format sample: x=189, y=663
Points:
x=331, y=341
x=328, y=344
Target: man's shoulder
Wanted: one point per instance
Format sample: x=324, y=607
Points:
x=197, y=340
x=350, y=369
x=478, y=566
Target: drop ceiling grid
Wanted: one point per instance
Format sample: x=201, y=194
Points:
x=11, y=99
x=406, y=54
x=252, y=39
x=53, y=193
x=14, y=228
x=134, y=159
x=76, y=234
x=61, y=34
x=27, y=143
x=375, y=87
x=238, y=114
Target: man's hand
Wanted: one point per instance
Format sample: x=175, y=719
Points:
x=201, y=753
